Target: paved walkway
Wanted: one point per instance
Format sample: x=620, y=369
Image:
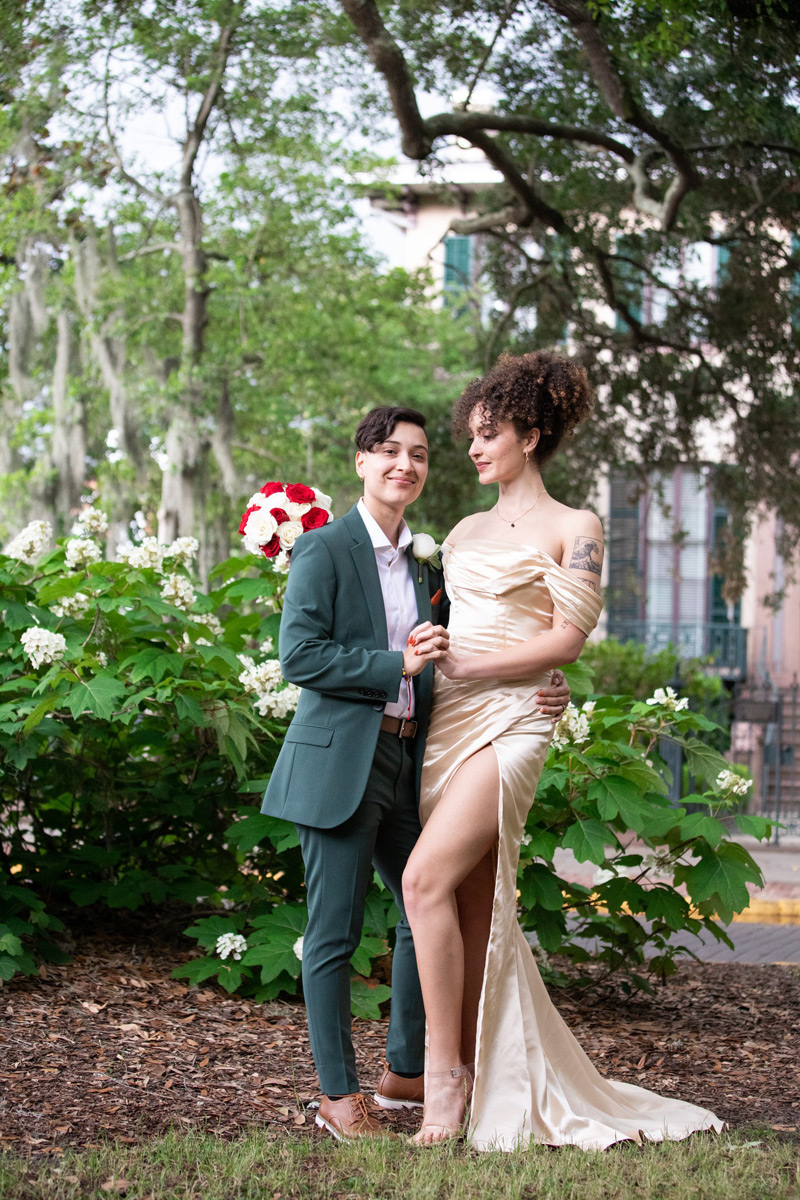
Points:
x=767, y=932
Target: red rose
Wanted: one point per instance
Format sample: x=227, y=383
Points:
x=314, y=518
x=280, y=515
x=298, y=493
x=272, y=547
x=253, y=508
x=269, y=489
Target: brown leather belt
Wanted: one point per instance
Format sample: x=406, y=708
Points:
x=400, y=726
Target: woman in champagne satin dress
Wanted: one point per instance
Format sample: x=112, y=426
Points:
x=523, y=583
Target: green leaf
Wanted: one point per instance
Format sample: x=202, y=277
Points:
x=186, y=706
x=549, y=927
x=248, y=589
x=375, y=915
x=755, y=826
x=99, y=693
x=645, y=778
x=366, y=998
x=210, y=929
x=704, y=761
x=10, y=944
x=543, y=844
x=42, y=709
x=367, y=949
x=580, y=678
x=540, y=886
x=198, y=969
x=667, y=905
x=701, y=825
x=616, y=796
x=721, y=877
x=273, y=957
x=587, y=840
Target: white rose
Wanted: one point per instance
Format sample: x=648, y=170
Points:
x=259, y=500
x=295, y=511
x=288, y=533
x=321, y=500
x=261, y=527
x=423, y=546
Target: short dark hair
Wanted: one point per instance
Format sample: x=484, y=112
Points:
x=379, y=425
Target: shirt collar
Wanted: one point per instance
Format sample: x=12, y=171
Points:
x=376, y=535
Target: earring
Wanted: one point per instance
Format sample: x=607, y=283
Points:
x=527, y=457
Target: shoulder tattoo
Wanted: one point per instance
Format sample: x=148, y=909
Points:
x=587, y=555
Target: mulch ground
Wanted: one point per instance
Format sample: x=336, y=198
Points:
x=109, y=1047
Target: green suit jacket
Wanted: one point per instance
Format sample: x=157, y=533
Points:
x=333, y=643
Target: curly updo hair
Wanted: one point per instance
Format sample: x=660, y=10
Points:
x=533, y=391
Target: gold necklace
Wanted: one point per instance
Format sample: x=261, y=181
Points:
x=522, y=514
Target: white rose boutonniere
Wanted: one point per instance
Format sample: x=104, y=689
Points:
x=425, y=550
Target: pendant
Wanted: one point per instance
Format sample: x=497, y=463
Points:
x=512, y=524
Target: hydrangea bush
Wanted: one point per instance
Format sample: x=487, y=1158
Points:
x=659, y=868
x=139, y=719
x=134, y=710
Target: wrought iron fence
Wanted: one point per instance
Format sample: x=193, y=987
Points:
x=766, y=737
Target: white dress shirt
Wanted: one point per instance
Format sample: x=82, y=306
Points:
x=399, y=599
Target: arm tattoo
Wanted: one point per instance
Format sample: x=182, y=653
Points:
x=587, y=555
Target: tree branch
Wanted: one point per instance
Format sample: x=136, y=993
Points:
x=536, y=207
x=196, y=132
x=388, y=59
x=462, y=124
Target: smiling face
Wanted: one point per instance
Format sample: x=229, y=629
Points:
x=499, y=456
x=395, y=471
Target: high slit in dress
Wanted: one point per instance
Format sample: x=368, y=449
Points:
x=533, y=1082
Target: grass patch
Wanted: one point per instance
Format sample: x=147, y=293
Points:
x=745, y=1165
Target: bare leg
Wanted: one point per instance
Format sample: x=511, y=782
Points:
x=459, y=835
x=474, y=898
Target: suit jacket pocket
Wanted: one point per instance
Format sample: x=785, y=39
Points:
x=311, y=735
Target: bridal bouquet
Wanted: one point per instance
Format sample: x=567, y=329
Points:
x=277, y=514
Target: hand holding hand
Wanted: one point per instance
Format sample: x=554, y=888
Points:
x=426, y=643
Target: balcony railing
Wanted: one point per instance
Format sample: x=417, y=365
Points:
x=723, y=646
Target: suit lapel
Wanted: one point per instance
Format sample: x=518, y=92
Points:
x=363, y=554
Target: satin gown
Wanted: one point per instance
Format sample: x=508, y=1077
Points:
x=533, y=1082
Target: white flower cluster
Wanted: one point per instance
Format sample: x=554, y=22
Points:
x=80, y=552
x=42, y=646
x=72, y=606
x=668, y=698
x=261, y=677
x=573, y=728
x=148, y=554
x=279, y=704
x=31, y=542
x=183, y=551
x=733, y=784
x=298, y=948
x=231, y=945
x=264, y=680
x=178, y=590
x=212, y=623
x=102, y=658
x=91, y=522
x=280, y=563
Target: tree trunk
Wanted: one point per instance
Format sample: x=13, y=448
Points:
x=68, y=447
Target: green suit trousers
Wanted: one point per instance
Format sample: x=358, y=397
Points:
x=339, y=862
